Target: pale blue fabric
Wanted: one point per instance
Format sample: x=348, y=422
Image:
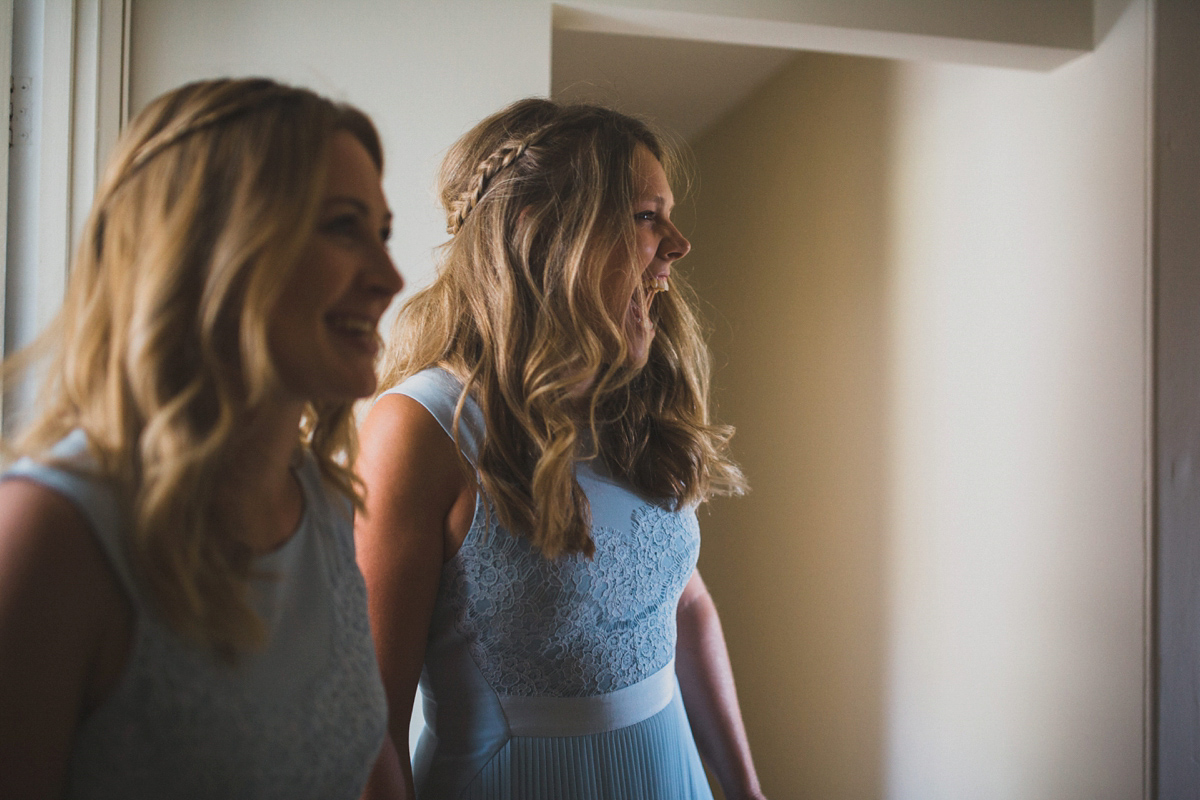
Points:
x=586, y=645
x=302, y=718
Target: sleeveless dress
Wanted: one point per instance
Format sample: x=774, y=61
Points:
x=304, y=717
x=556, y=679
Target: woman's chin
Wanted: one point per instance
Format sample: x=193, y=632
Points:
x=638, y=337
x=639, y=350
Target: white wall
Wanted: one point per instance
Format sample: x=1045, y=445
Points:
x=929, y=289
x=424, y=71
x=1020, y=374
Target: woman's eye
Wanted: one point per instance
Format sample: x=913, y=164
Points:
x=644, y=215
x=346, y=224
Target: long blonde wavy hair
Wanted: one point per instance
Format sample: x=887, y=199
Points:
x=160, y=353
x=539, y=197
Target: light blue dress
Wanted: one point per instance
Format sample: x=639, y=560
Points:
x=556, y=679
x=304, y=717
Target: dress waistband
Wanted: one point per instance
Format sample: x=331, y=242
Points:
x=582, y=716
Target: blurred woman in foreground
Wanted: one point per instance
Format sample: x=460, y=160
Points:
x=180, y=611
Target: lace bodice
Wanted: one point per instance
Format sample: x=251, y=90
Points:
x=571, y=627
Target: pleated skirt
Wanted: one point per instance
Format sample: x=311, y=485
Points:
x=655, y=759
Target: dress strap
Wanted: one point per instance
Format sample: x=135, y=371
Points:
x=69, y=469
x=438, y=391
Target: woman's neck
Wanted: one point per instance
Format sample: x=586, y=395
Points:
x=260, y=490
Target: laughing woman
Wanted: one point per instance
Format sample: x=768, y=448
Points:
x=180, y=610
x=530, y=539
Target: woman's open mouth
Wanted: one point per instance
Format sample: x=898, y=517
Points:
x=355, y=329
x=651, y=286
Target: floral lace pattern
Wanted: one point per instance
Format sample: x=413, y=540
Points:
x=573, y=627
x=317, y=741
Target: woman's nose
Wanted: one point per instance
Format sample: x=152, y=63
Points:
x=383, y=276
x=676, y=245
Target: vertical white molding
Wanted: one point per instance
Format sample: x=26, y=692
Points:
x=56, y=159
x=85, y=86
x=84, y=98
x=99, y=98
x=76, y=60
x=6, y=40
x=112, y=84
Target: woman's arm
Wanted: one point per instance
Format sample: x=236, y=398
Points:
x=65, y=629
x=706, y=678
x=417, y=493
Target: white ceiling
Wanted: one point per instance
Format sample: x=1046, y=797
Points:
x=685, y=70
x=680, y=85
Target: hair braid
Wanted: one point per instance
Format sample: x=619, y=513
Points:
x=505, y=154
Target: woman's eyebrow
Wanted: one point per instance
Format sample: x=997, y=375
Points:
x=662, y=202
x=359, y=205
x=657, y=199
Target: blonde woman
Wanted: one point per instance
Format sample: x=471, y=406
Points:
x=530, y=536
x=180, y=610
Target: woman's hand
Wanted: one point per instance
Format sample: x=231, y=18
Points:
x=417, y=496
x=706, y=679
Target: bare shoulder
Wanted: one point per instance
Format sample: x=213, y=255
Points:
x=63, y=621
x=47, y=547
x=399, y=426
x=405, y=453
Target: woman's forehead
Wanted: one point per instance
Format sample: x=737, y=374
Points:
x=650, y=179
